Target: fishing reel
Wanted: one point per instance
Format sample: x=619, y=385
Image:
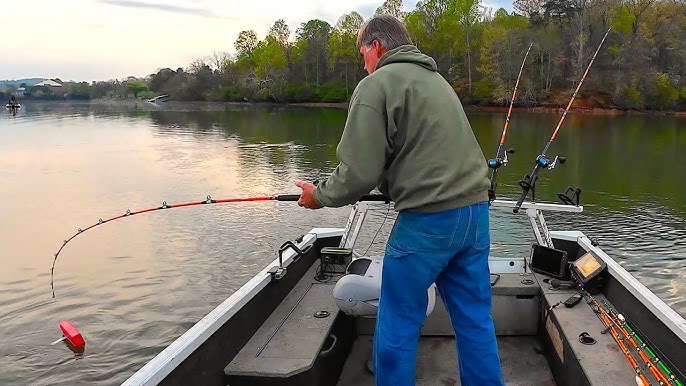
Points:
x=543, y=162
x=495, y=163
x=528, y=183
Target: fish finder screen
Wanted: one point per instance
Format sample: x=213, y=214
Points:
x=587, y=265
x=548, y=261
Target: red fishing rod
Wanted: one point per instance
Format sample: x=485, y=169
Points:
x=528, y=183
x=209, y=200
x=499, y=160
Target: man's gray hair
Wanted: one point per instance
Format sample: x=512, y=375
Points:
x=387, y=29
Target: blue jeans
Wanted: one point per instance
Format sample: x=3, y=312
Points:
x=451, y=249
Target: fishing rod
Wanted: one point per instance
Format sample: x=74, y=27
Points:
x=209, y=200
x=600, y=312
x=631, y=335
x=614, y=321
x=499, y=160
x=528, y=183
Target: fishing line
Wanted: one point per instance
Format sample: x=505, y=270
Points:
x=528, y=183
x=209, y=200
x=388, y=209
x=499, y=160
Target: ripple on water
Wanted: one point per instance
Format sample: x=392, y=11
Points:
x=135, y=286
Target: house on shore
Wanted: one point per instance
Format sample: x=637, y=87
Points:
x=55, y=87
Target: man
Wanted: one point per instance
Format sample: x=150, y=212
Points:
x=407, y=134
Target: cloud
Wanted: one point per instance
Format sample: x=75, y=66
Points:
x=162, y=7
x=98, y=48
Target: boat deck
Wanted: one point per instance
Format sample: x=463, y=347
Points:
x=535, y=340
x=291, y=333
x=437, y=362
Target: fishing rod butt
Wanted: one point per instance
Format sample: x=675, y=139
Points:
x=376, y=198
x=366, y=197
x=519, y=203
x=288, y=197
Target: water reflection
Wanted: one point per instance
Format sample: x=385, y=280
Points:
x=134, y=285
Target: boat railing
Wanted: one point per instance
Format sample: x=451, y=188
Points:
x=534, y=211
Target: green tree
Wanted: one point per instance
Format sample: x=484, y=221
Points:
x=642, y=65
x=500, y=53
x=270, y=68
x=350, y=22
x=393, y=8
x=468, y=13
x=246, y=42
x=344, y=57
x=316, y=32
x=136, y=87
x=280, y=31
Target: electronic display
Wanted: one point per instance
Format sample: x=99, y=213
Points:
x=548, y=261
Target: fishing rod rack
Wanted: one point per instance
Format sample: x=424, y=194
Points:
x=354, y=225
x=534, y=211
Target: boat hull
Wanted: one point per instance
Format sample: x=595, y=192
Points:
x=553, y=331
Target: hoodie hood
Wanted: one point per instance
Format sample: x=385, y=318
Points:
x=407, y=54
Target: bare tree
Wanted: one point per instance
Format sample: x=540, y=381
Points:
x=217, y=60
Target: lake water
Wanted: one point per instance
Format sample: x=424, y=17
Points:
x=134, y=285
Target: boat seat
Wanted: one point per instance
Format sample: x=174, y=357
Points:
x=287, y=346
x=515, y=309
x=358, y=292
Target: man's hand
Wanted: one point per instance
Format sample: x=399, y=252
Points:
x=307, y=196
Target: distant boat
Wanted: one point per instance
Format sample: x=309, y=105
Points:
x=159, y=99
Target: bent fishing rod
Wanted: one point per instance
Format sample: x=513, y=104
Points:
x=209, y=200
x=499, y=160
x=528, y=183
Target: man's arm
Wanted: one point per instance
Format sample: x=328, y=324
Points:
x=362, y=154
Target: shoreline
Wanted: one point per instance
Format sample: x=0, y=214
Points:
x=533, y=109
x=344, y=106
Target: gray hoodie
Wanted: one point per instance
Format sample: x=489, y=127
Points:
x=407, y=134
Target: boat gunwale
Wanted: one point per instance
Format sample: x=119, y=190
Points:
x=666, y=314
x=155, y=370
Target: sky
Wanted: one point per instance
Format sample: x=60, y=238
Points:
x=87, y=40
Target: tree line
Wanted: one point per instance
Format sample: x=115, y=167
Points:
x=478, y=50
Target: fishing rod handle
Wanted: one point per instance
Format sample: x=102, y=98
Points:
x=367, y=197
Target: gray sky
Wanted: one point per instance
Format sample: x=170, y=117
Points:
x=107, y=39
